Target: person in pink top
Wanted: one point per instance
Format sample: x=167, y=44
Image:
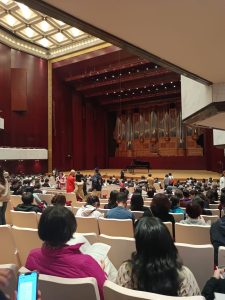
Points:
x=70, y=182
x=56, y=227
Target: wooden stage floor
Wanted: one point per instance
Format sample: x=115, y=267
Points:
x=177, y=174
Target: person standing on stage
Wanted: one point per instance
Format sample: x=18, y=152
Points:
x=70, y=182
x=222, y=181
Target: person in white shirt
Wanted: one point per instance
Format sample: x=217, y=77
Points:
x=90, y=208
x=222, y=181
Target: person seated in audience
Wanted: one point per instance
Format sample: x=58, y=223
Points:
x=212, y=196
x=56, y=227
x=137, y=203
x=216, y=284
x=221, y=206
x=112, y=200
x=125, y=191
x=79, y=184
x=37, y=188
x=160, y=207
x=59, y=199
x=186, y=200
x=200, y=201
x=46, y=183
x=90, y=208
x=175, y=208
x=121, y=211
x=155, y=265
x=193, y=212
x=151, y=192
x=27, y=205
x=217, y=236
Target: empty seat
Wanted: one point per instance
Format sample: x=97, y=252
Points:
x=26, y=239
x=8, y=249
x=46, y=197
x=15, y=200
x=215, y=212
x=199, y=259
x=121, y=248
x=87, y=225
x=113, y=291
x=24, y=219
x=115, y=227
x=137, y=214
x=192, y=234
x=213, y=206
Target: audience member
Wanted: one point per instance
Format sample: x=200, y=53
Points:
x=70, y=182
x=150, y=181
x=155, y=266
x=56, y=227
x=175, y=208
x=97, y=181
x=137, y=203
x=215, y=284
x=27, y=205
x=59, y=199
x=217, y=236
x=186, y=200
x=121, y=211
x=4, y=196
x=46, y=183
x=222, y=181
x=90, y=208
x=193, y=212
x=200, y=201
x=112, y=200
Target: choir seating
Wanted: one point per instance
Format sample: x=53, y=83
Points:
x=9, y=254
x=192, y=234
x=25, y=239
x=121, y=248
x=10, y=289
x=24, y=219
x=115, y=227
x=221, y=256
x=113, y=291
x=199, y=259
x=87, y=225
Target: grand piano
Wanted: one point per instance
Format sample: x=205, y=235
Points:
x=138, y=164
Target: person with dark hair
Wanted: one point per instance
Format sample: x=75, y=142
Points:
x=137, y=203
x=46, y=183
x=201, y=202
x=27, y=205
x=151, y=192
x=121, y=211
x=212, y=196
x=112, y=200
x=97, y=182
x=186, y=199
x=4, y=196
x=175, y=207
x=217, y=236
x=125, y=191
x=155, y=265
x=193, y=212
x=160, y=207
x=90, y=208
x=216, y=284
x=59, y=199
x=56, y=227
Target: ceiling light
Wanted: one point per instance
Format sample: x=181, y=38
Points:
x=25, y=10
x=45, y=42
x=29, y=32
x=5, y=1
x=156, y=67
x=75, y=32
x=45, y=26
x=10, y=20
x=60, y=23
x=174, y=86
x=146, y=69
x=59, y=37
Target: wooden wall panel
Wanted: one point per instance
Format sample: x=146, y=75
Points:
x=18, y=89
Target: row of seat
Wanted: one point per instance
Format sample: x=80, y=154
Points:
x=17, y=242
x=57, y=288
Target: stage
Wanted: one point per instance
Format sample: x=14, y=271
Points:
x=177, y=174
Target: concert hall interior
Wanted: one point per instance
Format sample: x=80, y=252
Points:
x=100, y=105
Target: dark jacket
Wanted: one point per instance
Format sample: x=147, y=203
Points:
x=27, y=208
x=212, y=286
x=217, y=236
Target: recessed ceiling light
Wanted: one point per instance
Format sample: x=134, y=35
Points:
x=29, y=32
x=26, y=12
x=44, y=26
x=10, y=20
x=75, y=31
x=45, y=42
x=59, y=37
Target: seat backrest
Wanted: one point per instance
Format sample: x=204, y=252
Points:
x=15, y=200
x=91, y=237
x=121, y=248
x=7, y=213
x=199, y=259
x=46, y=197
x=38, y=216
x=71, y=197
x=215, y=212
x=192, y=234
x=11, y=287
x=87, y=225
x=103, y=211
x=137, y=214
x=178, y=216
x=210, y=219
x=26, y=239
x=8, y=250
x=24, y=219
x=213, y=206
x=113, y=291
x=57, y=288
x=169, y=225
x=221, y=256
x=115, y=227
